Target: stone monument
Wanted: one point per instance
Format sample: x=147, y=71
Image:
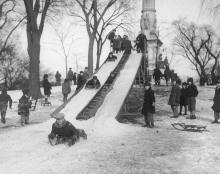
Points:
x=148, y=26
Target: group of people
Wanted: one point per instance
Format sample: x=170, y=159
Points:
x=168, y=75
x=118, y=43
x=184, y=97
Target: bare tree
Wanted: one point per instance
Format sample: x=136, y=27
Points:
x=96, y=16
x=36, y=15
x=10, y=20
x=13, y=68
x=190, y=41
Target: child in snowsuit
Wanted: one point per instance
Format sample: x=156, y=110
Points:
x=23, y=107
x=64, y=132
x=4, y=99
x=148, y=108
x=66, y=89
x=192, y=93
x=216, y=105
x=174, y=99
x=183, y=99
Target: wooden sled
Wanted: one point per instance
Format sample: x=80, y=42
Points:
x=190, y=128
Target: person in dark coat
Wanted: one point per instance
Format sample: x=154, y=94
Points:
x=148, y=108
x=111, y=57
x=167, y=74
x=141, y=42
x=216, y=105
x=66, y=89
x=117, y=44
x=192, y=93
x=157, y=75
x=64, y=132
x=23, y=107
x=174, y=99
x=47, y=86
x=86, y=74
x=80, y=81
x=74, y=78
x=172, y=76
x=4, y=100
x=183, y=99
x=58, y=78
x=70, y=75
x=126, y=45
x=111, y=38
x=93, y=83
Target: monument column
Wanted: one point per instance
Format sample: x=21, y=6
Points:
x=148, y=26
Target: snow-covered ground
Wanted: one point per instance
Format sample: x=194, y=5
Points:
x=114, y=147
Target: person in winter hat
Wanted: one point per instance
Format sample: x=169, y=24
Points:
x=23, y=107
x=148, y=108
x=192, y=93
x=4, y=100
x=183, y=99
x=216, y=105
x=64, y=132
x=174, y=99
x=66, y=89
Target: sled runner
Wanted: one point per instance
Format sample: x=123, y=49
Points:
x=190, y=128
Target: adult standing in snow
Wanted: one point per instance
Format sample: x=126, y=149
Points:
x=183, y=98
x=64, y=132
x=167, y=74
x=4, y=100
x=157, y=75
x=174, y=99
x=74, y=78
x=70, y=75
x=148, y=108
x=192, y=93
x=86, y=74
x=216, y=105
x=58, y=78
x=47, y=86
x=66, y=89
x=80, y=81
x=23, y=107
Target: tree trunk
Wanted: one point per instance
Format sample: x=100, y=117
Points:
x=98, y=54
x=34, y=54
x=90, y=54
x=213, y=76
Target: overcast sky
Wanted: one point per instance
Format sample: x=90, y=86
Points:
x=167, y=11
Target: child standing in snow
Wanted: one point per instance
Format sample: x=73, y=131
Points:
x=183, y=99
x=4, y=99
x=174, y=99
x=148, y=108
x=66, y=89
x=23, y=107
x=216, y=105
x=192, y=93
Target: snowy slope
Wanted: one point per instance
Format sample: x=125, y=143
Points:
x=26, y=150
x=78, y=102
